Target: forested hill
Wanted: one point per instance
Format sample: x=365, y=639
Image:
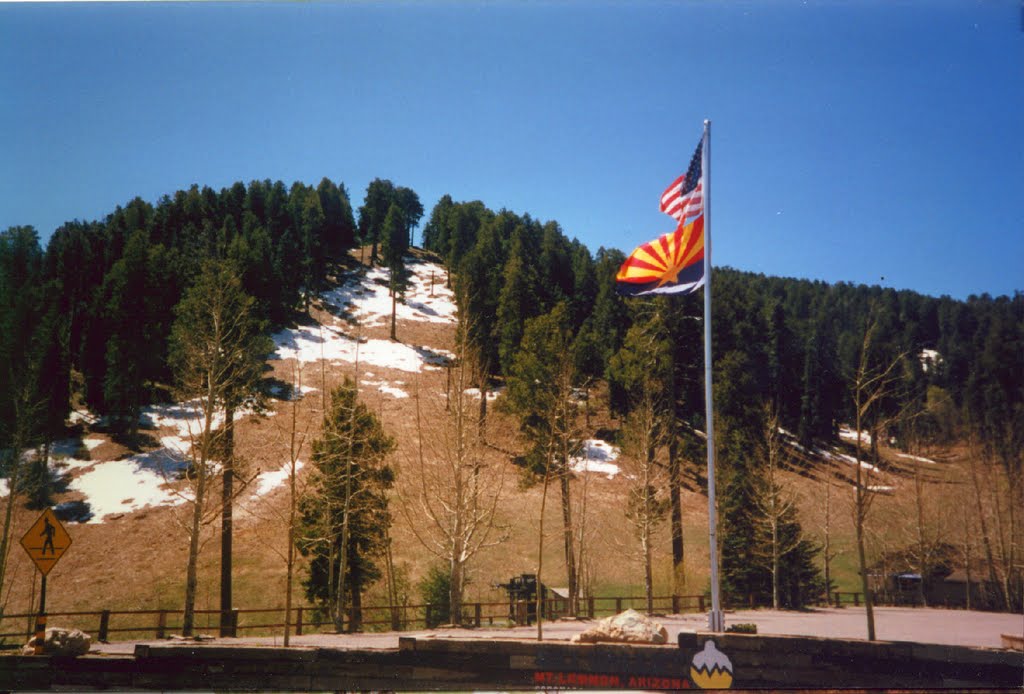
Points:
x=88, y=319
x=796, y=344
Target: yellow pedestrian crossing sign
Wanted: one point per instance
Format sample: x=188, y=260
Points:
x=46, y=541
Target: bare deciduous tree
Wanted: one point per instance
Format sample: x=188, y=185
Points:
x=460, y=484
x=870, y=385
x=648, y=505
x=216, y=347
x=774, y=502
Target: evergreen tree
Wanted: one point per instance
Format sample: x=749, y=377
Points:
x=343, y=523
x=517, y=301
x=394, y=246
x=412, y=209
x=125, y=315
x=541, y=383
x=380, y=194
x=435, y=233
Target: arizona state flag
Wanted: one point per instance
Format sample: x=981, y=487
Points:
x=672, y=264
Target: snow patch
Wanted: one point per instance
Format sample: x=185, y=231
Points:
x=387, y=389
x=122, y=486
x=267, y=482
x=843, y=457
x=929, y=358
x=596, y=456
x=93, y=444
x=918, y=458
x=367, y=299
x=311, y=343
x=849, y=434
x=492, y=394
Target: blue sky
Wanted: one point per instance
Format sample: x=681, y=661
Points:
x=851, y=141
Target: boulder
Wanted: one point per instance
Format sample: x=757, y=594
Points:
x=60, y=641
x=628, y=627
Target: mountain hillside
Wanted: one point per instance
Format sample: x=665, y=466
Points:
x=124, y=508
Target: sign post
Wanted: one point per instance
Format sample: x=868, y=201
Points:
x=45, y=542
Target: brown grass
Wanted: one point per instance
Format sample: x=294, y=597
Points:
x=138, y=561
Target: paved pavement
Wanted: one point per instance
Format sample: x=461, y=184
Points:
x=923, y=625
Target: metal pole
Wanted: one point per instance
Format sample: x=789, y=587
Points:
x=716, y=621
x=40, y=635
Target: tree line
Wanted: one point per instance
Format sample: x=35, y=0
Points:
x=544, y=319
x=101, y=319
x=167, y=302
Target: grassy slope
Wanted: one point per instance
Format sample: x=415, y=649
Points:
x=138, y=561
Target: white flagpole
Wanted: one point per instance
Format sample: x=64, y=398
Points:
x=716, y=620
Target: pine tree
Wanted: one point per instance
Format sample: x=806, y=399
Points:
x=393, y=249
x=541, y=382
x=380, y=194
x=343, y=523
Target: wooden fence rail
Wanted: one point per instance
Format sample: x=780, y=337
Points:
x=161, y=624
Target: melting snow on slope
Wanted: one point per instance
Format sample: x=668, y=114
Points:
x=917, y=458
x=597, y=456
x=267, y=482
x=492, y=394
x=367, y=298
x=846, y=459
x=387, y=388
x=122, y=486
x=308, y=343
x=849, y=434
x=929, y=358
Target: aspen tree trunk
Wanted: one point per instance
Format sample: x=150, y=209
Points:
x=227, y=492
x=539, y=598
x=922, y=549
x=191, y=577
x=645, y=534
x=967, y=554
x=860, y=511
x=570, y=554
x=827, y=552
x=985, y=537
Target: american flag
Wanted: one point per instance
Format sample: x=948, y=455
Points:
x=685, y=197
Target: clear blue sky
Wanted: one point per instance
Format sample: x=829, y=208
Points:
x=851, y=141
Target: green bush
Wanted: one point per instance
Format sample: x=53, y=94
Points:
x=741, y=629
x=434, y=588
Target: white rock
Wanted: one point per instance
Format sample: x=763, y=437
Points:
x=628, y=627
x=60, y=641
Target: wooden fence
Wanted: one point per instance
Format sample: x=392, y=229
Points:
x=110, y=625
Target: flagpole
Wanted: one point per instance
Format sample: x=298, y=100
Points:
x=716, y=620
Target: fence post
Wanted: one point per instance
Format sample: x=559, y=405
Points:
x=161, y=624
x=234, y=623
x=476, y=615
x=298, y=621
x=590, y=606
x=856, y=599
x=700, y=602
x=618, y=605
x=104, y=626
x=426, y=616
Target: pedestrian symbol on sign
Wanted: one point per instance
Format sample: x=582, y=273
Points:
x=46, y=541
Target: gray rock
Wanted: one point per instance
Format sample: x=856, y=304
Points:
x=628, y=627
x=60, y=641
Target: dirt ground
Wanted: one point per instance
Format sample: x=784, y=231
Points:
x=921, y=625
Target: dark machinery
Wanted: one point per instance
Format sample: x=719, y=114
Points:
x=522, y=599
